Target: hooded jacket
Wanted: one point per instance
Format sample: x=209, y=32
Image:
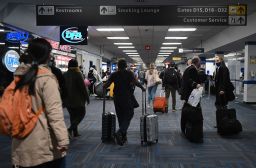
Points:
x=40, y=146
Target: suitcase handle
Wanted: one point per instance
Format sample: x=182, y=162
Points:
x=104, y=101
x=144, y=103
x=161, y=92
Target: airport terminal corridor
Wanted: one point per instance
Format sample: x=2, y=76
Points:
x=172, y=150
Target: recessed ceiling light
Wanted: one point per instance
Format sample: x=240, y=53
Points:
x=163, y=55
x=135, y=53
x=166, y=51
x=126, y=47
x=122, y=43
x=181, y=29
x=130, y=51
x=168, y=48
x=176, y=38
x=1, y=30
x=118, y=38
x=110, y=29
x=2, y=43
x=172, y=43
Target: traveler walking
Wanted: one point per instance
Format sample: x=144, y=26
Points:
x=46, y=145
x=152, y=80
x=171, y=82
x=191, y=117
x=124, y=99
x=76, y=96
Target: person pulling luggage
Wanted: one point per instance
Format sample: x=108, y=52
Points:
x=124, y=99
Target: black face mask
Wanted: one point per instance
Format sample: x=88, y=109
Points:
x=218, y=64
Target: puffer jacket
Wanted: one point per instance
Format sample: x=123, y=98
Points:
x=40, y=146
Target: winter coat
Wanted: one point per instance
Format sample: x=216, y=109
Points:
x=190, y=79
x=40, y=146
x=76, y=92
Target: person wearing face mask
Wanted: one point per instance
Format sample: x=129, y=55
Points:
x=223, y=85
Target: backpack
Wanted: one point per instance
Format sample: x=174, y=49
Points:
x=17, y=118
x=170, y=77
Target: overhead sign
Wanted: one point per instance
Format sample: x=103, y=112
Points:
x=11, y=60
x=192, y=50
x=222, y=15
x=73, y=35
x=17, y=37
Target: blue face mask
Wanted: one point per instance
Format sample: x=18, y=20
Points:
x=218, y=64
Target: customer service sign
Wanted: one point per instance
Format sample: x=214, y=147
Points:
x=222, y=15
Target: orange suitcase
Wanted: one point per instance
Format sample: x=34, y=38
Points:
x=160, y=104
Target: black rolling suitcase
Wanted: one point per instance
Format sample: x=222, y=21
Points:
x=108, y=124
x=148, y=125
x=194, y=123
x=227, y=123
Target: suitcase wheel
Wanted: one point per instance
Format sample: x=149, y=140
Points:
x=157, y=141
x=141, y=143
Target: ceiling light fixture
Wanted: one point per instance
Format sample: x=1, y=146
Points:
x=172, y=43
x=163, y=55
x=2, y=43
x=135, y=53
x=126, y=47
x=130, y=51
x=166, y=51
x=1, y=30
x=122, y=43
x=176, y=38
x=181, y=29
x=110, y=29
x=118, y=38
x=168, y=48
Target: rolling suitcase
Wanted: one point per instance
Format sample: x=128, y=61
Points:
x=148, y=125
x=227, y=123
x=193, y=127
x=108, y=124
x=160, y=104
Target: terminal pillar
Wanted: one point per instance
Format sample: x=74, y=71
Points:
x=250, y=72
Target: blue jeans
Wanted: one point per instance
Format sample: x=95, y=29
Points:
x=151, y=93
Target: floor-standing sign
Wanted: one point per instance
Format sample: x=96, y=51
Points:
x=250, y=73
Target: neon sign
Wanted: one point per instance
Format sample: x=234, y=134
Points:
x=17, y=37
x=73, y=35
x=11, y=60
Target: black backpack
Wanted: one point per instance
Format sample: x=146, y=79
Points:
x=171, y=76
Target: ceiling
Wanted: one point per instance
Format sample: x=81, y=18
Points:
x=140, y=36
x=153, y=36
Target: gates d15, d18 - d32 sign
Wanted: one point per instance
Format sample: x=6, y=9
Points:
x=76, y=35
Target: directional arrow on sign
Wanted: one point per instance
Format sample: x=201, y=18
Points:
x=42, y=10
x=241, y=20
x=104, y=10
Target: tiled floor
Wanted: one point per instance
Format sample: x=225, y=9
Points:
x=172, y=151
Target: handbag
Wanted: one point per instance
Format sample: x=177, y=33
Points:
x=195, y=97
x=134, y=102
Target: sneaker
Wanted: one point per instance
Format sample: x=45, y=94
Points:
x=148, y=106
x=173, y=110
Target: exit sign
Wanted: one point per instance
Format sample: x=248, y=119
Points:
x=147, y=47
